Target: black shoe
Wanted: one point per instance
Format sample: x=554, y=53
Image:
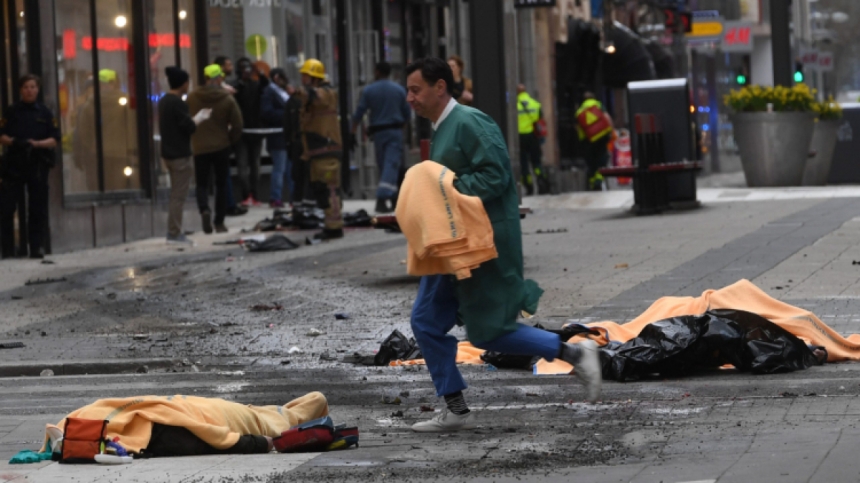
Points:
x=207, y=222
x=543, y=186
x=37, y=253
x=328, y=234
x=383, y=206
x=237, y=211
x=220, y=228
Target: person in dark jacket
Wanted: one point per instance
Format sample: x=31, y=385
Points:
x=272, y=110
x=176, y=127
x=249, y=93
x=29, y=131
x=293, y=140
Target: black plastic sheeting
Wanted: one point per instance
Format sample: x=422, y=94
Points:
x=305, y=218
x=674, y=347
x=397, y=347
x=274, y=243
x=684, y=345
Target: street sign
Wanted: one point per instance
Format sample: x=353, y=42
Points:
x=534, y=3
x=737, y=37
x=825, y=61
x=809, y=56
x=706, y=28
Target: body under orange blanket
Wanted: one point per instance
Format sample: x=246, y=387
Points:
x=216, y=421
x=742, y=295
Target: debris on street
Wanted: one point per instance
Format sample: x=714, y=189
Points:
x=40, y=281
x=266, y=307
x=11, y=345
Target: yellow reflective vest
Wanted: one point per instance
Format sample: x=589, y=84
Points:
x=528, y=111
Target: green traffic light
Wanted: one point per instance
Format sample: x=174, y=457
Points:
x=798, y=76
x=742, y=79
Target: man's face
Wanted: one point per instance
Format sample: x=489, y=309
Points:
x=423, y=97
x=227, y=68
x=307, y=80
x=245, y=70
x=29, y=91
x=280, y=80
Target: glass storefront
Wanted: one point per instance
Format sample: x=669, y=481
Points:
x=98, y=86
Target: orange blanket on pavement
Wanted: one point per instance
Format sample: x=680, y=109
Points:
x=742, y=295
x=446, y=232
x=215, y=421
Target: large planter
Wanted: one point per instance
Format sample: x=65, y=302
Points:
x=774, y=146
x=823, y=144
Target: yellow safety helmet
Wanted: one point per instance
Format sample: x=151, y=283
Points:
x=313, y=68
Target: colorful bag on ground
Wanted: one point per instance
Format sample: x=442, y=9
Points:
x=317, y=435
x=82, y=440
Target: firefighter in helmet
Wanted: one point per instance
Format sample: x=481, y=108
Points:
x=595, y=128
x=321, y=143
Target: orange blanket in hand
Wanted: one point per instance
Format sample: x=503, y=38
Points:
x=446, y=232
x=215, y=421
x=742, y=295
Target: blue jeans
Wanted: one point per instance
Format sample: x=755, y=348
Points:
x=281, y=166
x=388, y=145
x=435, y=313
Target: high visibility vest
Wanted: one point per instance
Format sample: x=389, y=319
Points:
x=528, y=113
x=593, y=122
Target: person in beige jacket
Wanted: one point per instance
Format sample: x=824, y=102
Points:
x=212, y=143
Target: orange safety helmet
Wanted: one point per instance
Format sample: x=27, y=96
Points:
x=313, y=68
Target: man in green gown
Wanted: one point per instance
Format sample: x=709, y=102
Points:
x=470, y=144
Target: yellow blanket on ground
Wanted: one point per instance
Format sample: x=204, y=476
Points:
x=742, y=295
x=215, y=421
x=446, y=232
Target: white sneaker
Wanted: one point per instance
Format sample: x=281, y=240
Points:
x=446, y=421
x=180, y=239
x=588, y=369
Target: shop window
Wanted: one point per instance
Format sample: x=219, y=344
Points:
x=167, y=47
x=76, y=97
x=121, y=166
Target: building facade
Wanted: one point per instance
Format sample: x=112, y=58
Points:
x=102, y=65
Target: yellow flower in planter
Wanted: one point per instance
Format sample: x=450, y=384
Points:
x=756, y=98
x=828, y=110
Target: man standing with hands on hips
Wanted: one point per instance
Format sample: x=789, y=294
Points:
x=470, y=143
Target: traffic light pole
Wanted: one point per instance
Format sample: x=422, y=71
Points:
x=780, y=15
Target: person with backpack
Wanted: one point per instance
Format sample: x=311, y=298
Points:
x=595, y=128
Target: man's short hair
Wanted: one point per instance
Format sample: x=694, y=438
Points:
x=221, y=60
x=384, y=69
x=27, y=78
x=278, y=72
x=432, y=69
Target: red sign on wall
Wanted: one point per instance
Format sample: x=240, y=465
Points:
x=737, y=37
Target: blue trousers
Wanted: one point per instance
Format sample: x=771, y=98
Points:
x=388, y=145
x=435, y=313
x=281, y=166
